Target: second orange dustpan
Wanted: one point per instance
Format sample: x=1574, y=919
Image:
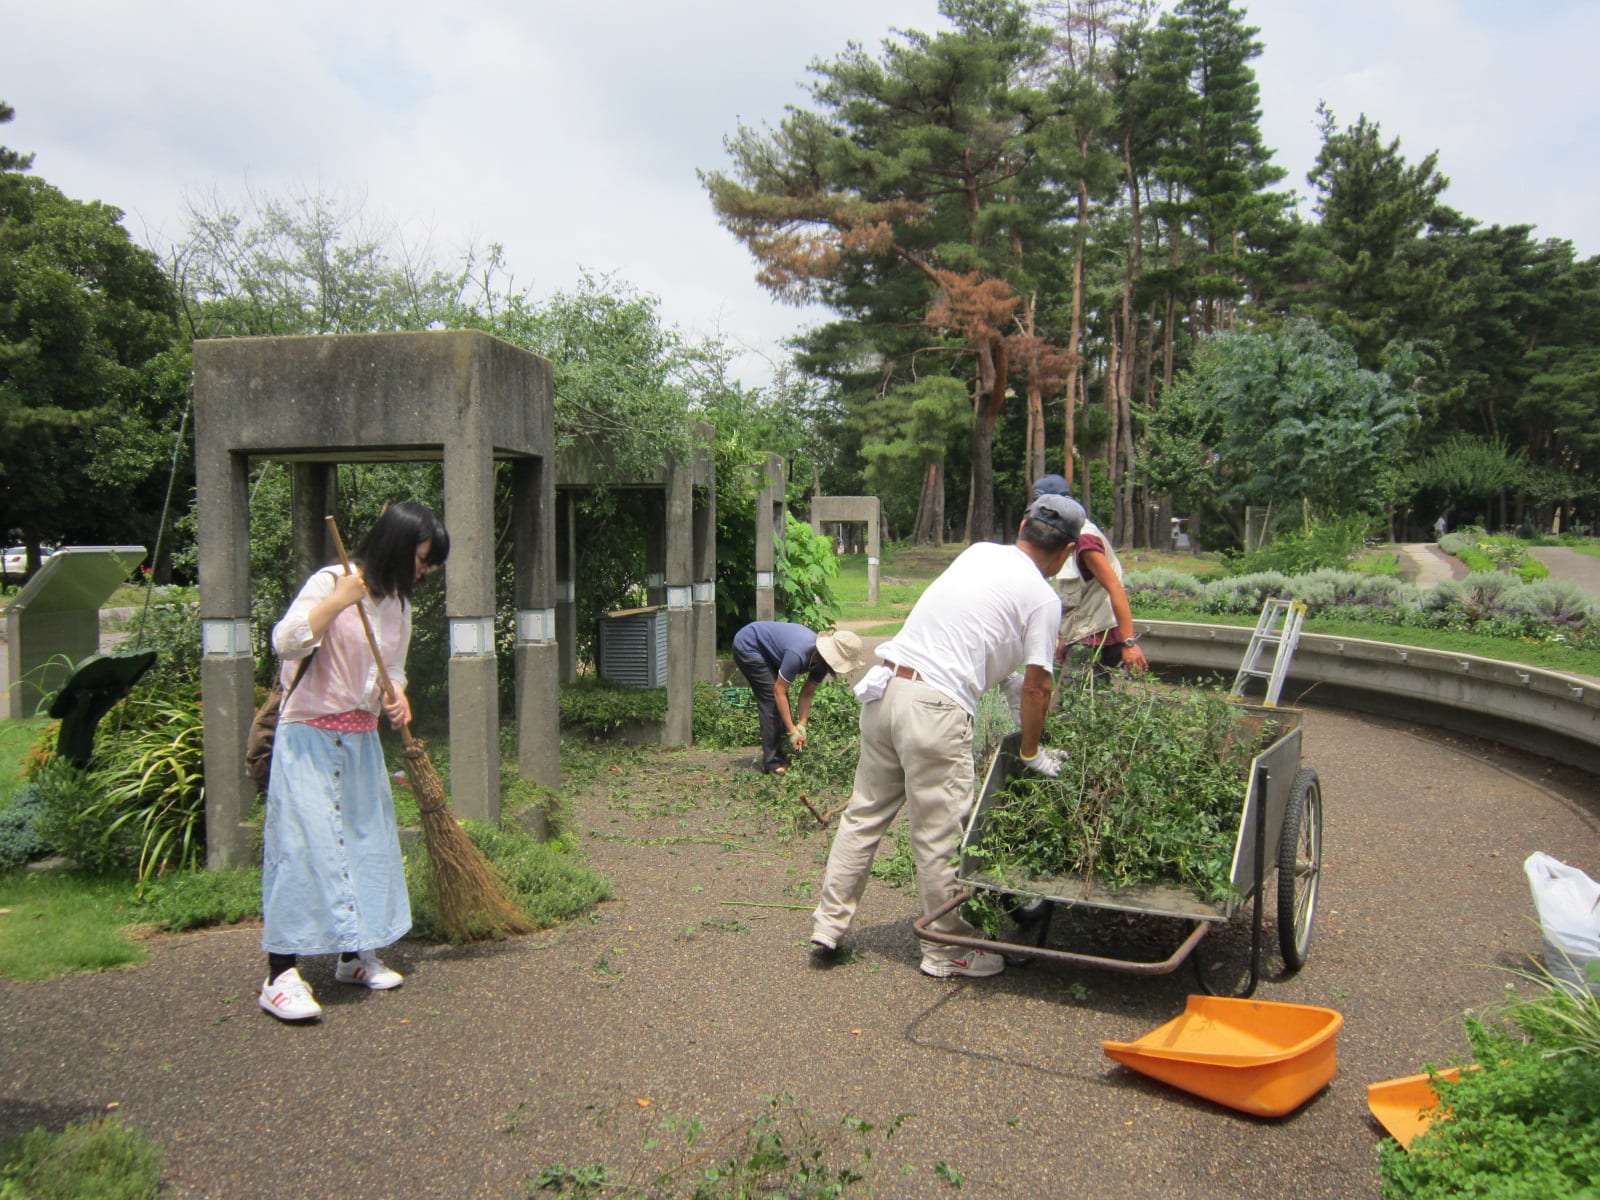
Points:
x=1407, y=1106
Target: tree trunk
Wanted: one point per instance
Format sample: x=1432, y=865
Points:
x=989, y=395
x=1069, y=447
x=929, y=529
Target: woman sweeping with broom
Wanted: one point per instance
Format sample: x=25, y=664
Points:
x=332, y=880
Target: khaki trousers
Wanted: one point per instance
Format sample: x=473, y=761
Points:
x=916, y=749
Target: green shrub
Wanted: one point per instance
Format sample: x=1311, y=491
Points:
x=150, y=777
x=725, y=721
x=805, y=569
x=1329, y=543
x=76, y=823
x=1524, y=1126
x=600, y=707
x=196, y=899
x=99, y=1158
x=20, y=842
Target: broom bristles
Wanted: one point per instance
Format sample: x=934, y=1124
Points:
x=472, y=900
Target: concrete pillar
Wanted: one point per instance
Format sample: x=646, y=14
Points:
x=469, y=612
x=771, y=520
x=538, y=657
x=566, y=585
x=656, y=537
x=227, y=663
x=705, y=583
x=314, y=494
x=679, y=596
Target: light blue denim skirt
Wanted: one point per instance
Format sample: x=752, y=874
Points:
x=331, y=874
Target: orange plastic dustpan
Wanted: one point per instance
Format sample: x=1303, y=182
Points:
x=1258, y=1056
x=1406, y=1106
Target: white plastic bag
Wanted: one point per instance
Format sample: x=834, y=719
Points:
x=1568, y=903
x=873, y=684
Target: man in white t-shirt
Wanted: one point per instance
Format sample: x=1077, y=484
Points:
x=990, y=613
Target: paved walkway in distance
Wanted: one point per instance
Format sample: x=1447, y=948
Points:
x=1571, y=567
x=1431, y=565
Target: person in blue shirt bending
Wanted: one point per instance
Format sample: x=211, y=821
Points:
x=772, y=655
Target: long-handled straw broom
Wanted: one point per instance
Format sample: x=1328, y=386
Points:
x=472, y=901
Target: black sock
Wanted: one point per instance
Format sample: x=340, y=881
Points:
x=277, y=964
x=349, y=956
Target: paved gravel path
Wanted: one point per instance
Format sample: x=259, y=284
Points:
x=692, y=995
x=1571, y=567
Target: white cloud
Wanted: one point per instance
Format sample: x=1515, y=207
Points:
x=571, y=130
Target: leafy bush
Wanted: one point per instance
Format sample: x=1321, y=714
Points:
x=1243, y=594
x=1552, y=603
x=805, y=568
x=1322, y=544
x=1493, y=552
x=599, y=707
x=1153, y=790
x=76, y=823
x=95, y=1159
x=198, y=899
x=20, y=842
x=151, y=779
x=1164, y=585
x=1525, y=1126
x=724, y=723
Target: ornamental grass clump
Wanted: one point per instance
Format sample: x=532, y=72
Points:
x=1153, y=791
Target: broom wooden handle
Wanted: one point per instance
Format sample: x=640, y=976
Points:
x=366, y=624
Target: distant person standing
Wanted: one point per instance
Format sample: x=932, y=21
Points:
x=1439, y=529
x=771, y=655
x=1094, y=604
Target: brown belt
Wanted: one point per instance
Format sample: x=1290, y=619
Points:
x=902, y=672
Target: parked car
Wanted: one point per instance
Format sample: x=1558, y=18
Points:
x=16, y=559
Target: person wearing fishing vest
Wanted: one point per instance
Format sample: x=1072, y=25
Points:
x=1094, y=605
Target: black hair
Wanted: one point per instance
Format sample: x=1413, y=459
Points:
x=388, y=554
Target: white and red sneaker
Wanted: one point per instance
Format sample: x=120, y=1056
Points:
x=978, y=964
x=289, y=998
x=366, y=970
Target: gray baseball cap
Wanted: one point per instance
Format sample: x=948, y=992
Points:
x=1059, y=512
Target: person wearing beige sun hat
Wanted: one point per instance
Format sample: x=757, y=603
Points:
x=771, y=655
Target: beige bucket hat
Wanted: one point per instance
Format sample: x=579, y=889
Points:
x=841, y=650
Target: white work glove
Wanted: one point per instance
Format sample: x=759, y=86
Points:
x=1046, y=762
x=797, y=739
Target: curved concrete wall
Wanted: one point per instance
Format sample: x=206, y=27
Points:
x=1545, y=712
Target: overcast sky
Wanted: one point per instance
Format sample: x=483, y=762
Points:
x=570, y=131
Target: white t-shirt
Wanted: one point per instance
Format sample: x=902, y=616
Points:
x=992, y=612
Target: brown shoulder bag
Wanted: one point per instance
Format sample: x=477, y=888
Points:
x=264, y=727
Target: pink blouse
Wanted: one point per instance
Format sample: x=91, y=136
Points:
x=342, y=677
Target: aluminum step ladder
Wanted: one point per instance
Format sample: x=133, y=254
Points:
x=1279, y=626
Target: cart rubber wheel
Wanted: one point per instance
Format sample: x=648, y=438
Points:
x=1299, y=865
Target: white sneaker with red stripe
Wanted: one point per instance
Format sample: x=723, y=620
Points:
x=366, y=970
x=289, y=998
x=978, y=964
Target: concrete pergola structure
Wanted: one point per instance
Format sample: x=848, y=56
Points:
x=459, y=396
x=853, y=510
x=680, y=563
x=771, y=524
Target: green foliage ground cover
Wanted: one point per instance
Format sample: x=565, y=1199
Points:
x=99, y=1158
x=1526, y=1124
x=1153, y=790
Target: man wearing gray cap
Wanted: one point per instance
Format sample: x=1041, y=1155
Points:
x=991, y=612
